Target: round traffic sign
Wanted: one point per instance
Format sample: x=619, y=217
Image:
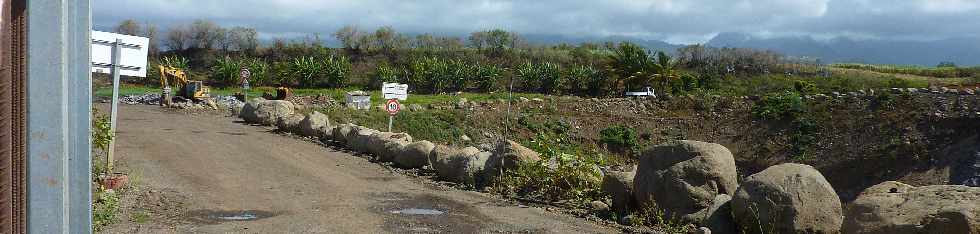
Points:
x=392, y=106
x=244, y=74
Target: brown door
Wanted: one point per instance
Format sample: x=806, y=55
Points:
x=13, y=35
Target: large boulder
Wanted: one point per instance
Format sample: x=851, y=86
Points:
x=360, y=141
x=507, y=155
x=683, y=177
x=414, y=155
x=787, y=198
x=289, y=123
x=462, y=166
x=247, y=112
x=312, y=122
x=339, y=133
x=893, y=207
x=719, y=219
x=266, y=112
x=325, y=133
x=619, y=184
x=387, y=145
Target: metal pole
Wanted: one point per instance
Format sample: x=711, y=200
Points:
x=391, y=120
x=58, y=117
x=115, y=105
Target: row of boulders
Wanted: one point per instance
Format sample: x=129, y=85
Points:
x=697, y=182
x=693, y=181
x=467, y=165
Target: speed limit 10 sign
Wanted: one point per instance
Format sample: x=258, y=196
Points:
x=392, y=106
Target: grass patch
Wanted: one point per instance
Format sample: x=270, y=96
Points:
x=140, y=216
x=442, y=126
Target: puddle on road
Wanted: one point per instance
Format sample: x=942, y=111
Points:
x=213, y=217
x=417, y=211
x=427, y=213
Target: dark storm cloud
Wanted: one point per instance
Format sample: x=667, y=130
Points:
x=673, y=20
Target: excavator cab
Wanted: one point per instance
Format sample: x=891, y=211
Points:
x=196, y=90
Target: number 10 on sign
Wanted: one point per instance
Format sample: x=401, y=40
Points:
x=392, y=107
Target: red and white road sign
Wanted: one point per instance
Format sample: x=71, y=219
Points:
x=392, y=106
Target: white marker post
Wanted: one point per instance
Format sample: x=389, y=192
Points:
x=393, y=92
x=118, y=55
x=244, y=74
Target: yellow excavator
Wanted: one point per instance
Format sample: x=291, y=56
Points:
x=187, y=89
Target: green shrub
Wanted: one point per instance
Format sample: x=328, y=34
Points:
x=337, y=71
x=226, y=71
x=307, y=70
x=259, y=70
x=805, y=87
x=619, y=138
x=434, y=75
x=652, y=216
x=584, y=80
x=785, y=105
x=543, y=77
x=331, y=72
x=486, y=76
x=383, y=73
x=804, y=136
x=101, y=131
x=104, y=209
x=574, y=179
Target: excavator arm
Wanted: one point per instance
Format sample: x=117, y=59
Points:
x=176, y=75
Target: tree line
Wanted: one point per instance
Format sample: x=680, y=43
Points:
x=483, y=61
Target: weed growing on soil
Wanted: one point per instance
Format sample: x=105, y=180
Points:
x=141, y=216
x=573, y=181
x=778, y=106
x=104, y=209
x=653, y=216
x=564, y=175
x=101, y=131
x=619, y=138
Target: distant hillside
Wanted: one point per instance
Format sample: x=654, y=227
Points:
x=962, y=51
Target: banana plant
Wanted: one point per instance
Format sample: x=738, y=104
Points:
x=336, y=71
x=486, y=76
x=384, y=73
x=225, y=70
x=307, y=70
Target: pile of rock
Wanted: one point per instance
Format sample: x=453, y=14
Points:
x=142, y=99
x=467, y=165
x=228, y=101
x=696, y=182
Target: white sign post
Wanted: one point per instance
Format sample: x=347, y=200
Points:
x=244, y=74
x=117, y=55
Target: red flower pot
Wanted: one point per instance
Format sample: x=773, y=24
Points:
x=114, y=181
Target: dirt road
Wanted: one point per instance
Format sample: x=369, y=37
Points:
x=234, y=178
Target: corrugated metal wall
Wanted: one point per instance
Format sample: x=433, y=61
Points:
x=12, y=109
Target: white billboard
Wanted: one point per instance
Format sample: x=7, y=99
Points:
x=133, y=52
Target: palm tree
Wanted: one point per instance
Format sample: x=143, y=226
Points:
x=666, y=70
x=631, y=64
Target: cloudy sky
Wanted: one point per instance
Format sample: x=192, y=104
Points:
x=676, y=21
